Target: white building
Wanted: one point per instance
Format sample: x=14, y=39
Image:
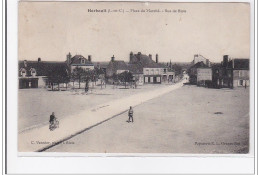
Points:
x=79, y=61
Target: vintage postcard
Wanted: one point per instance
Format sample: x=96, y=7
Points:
x=134, y=77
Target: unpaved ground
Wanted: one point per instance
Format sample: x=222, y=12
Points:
x=36, y=105
x=188, y=120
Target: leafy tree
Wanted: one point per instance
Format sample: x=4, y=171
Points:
x=125, y=77
x=100, y=74
x=78, y=74
x=58, y=74
x=177, y=68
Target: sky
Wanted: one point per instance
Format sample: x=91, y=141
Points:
x=50, y=30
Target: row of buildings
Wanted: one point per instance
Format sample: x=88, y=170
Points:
x=145, y=70
x=229, y=73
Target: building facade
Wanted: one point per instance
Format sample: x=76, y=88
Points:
x=116, y=67
x=199, y=58
x=204, y=75
x=231, y=73
x=79, y=61
x=200, y=74
x=34, y=74
x=153, y=72
x=241, y=73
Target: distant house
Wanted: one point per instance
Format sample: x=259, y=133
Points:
x=222, y=76
x=34, y=74
x=240, y=72
x=153, y=71
x=137, y=72
x=101, y=67
x=116, y=67
x=200, y=73
x=199, y=58
x=231, y=73
x=79, y=61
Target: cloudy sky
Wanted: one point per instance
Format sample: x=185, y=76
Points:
x=52, y=29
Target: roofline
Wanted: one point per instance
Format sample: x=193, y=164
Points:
x=82, y=64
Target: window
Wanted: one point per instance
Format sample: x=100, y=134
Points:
x=241, y=82
x=82, y=61
x=147, y=72
x=33, y=72
x=23, y=73
x=164, y=71
x=158, y=79
x=152, y=71
x=146, y=79
x=151, y=79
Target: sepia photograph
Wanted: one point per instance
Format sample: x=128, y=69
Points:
x=134, y=77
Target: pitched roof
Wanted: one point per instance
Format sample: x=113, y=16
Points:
x=117, y=65
x=136, y=68
x=241, y=63
x=42, y=67
x=77, y=60
x=145, y=61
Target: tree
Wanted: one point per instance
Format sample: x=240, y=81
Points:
x=177, y=69
x=100, y=74
x=78, y=74
x=115, y=79
x=58, y=74
x=87, y=85
x=125, y=77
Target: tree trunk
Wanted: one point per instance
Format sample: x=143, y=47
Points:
x=52, y=86
x=79, y=82
x=58, y=86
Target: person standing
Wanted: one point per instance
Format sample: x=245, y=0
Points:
x=52, y=118
x=130, y=114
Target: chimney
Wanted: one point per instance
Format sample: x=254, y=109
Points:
x=207, y=62
x=150, y=56
x=225, y=60
x=69, y=58
x=39, y=60
x=113, y=58
x=131, y=56
x=89, y=58
x=25, y=63
x=156, y=58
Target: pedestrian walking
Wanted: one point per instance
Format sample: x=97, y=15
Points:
x=130, y=114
